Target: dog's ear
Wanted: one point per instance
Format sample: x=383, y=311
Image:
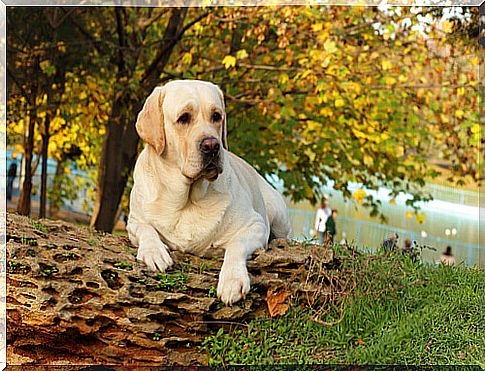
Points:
x=150, y=121
x=224, y=125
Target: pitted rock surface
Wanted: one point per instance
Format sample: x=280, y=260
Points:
x=78, y=296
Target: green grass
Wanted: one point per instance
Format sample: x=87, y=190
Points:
x=39, y=226
x=120, y=233
x=124, y=265
x=384, y=310
x=172, y=281
x=93, y=242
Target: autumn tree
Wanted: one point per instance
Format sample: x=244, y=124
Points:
x=43, y=62
x=341, y=94
x=29, y=79
x=41, y=53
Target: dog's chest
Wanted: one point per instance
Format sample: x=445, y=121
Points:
x=196, y=228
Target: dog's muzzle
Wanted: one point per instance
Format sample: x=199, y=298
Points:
x=210, y=149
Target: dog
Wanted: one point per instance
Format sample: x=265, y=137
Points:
x=192, y=195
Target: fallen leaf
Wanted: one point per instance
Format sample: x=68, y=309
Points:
x=275, y=300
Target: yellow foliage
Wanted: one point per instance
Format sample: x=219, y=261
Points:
x=229, y=61
x=317, y=27
x=420, y=218
x=447, y=26
x=444, y=118
x=339, y=102
x=311, y=155
x=323, y=36
x=359, y=195
x=368, y=160
x=390, y=80
x=242, y=54
x=386, y=64
x=187, y=58
x=314, y=125
x=330, y=46
x=19, y=148
x=315, y=54
x=326, y=61
x=52, y=147
x=327, y=112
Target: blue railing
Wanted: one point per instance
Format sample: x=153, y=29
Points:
x=370, y=235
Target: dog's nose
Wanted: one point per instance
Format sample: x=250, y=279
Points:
x=210, y=146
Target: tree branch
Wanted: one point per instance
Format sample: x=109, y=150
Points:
x=84, y=32
x=21, y=88
x=170, y=38
x=121, y=40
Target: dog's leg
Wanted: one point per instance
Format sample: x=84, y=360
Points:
x=151, y=250
x=234, y=278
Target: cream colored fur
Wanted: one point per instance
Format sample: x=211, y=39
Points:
x=173, y=204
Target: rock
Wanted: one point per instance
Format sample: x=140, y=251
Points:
x=76, y=295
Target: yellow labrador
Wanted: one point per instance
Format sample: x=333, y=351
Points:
x=191, y=194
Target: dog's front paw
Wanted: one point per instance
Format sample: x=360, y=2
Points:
x=155, y=256
x=233, y=283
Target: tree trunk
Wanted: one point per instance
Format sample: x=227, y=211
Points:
x=120, y=146
x=75, y=296
x=53, y=18
x=43, y=180
x=53, y=206
x=23, y=207
x=117, y=162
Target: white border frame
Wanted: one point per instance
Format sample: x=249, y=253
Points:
x=157, y=3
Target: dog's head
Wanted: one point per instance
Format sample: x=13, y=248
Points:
x=185, y=122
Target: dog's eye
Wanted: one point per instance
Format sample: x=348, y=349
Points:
x=184, y=118
x=216, y=117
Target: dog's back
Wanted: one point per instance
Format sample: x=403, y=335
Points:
x=273, y=202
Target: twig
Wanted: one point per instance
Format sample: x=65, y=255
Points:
x=223, y=322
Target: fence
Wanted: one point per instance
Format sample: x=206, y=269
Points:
x=453, y=195
x=370, y=235
x=80, y=202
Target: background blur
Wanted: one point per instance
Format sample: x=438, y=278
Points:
x=375, y=107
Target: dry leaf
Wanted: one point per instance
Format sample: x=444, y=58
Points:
x=275, y=300
x=361, y=342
